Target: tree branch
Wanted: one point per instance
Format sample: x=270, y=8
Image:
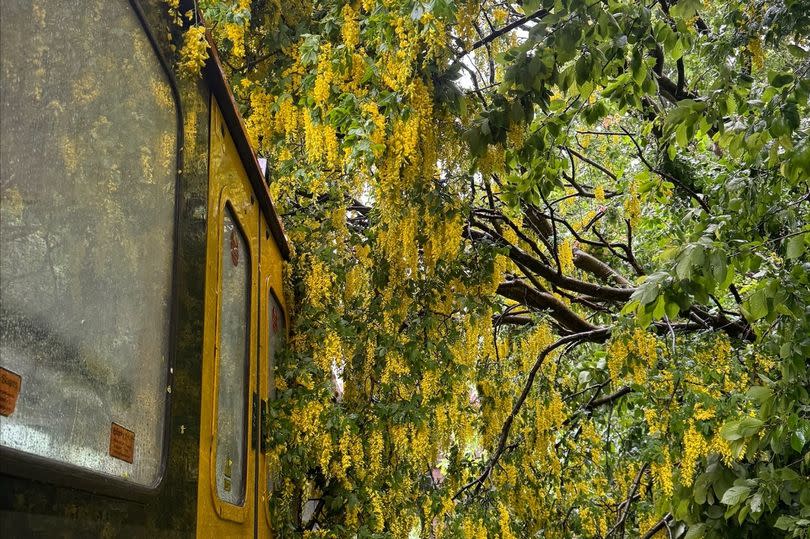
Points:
x=523, y=293
x=539, y=14
x=607, y=399
x=599, y=335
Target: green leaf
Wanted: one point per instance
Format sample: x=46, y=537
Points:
x=672, y=309
x=696, y=531
x=795, y=246
x=681, y=137
x=718, y=266
x=784, y=522
x=758, y=305
x=684, y=268
x=658, y=310
x=735, y=495
x=759, y=393
x=743, y=513
x=686, y=9
x=731, y=431
x=781, y=79
x=797, y=441
x=750, y=426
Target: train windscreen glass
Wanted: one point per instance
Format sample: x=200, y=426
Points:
x=88, y=167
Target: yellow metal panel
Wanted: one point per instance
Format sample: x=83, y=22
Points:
x=271, y=277
x=228, y=185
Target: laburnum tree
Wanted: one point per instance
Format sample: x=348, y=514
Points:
x=550, y=273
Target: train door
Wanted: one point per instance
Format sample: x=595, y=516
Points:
x=232, y=366
x=273, y=332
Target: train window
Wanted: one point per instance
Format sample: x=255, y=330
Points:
x=232, y=372
x=88, y=165
x=277, y=336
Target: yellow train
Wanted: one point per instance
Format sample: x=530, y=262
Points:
x=140, y=283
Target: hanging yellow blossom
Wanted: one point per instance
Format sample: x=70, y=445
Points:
x=599, y=194
x=351, y=28
x=694, y=447
x=194, y=52
x=566, y=255
x=632, y=205
x=662, y=472
x=323, y=81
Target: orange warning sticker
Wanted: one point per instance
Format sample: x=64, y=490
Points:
x=10, y=384
x=122, y=443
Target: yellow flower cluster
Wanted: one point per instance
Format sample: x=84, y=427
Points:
x=173, y=9
x=588, y=522
x=433, y=35
x=565, y=253
x=321, y=143
x=351, y=454
x=377, y=136
x=306, y=419
x=259, y=124
x=466, y=20
x=374, y=453
x=323, y=81
x=632, y=205
x=530, y=348
x=473, y=529
x=580, y=225
x=757, y=54
x=398, y=64
x=325, y=454
x=443, y=242
x=640, y=348
x=405, y=138
x=356, y=284
x=493, y=160
x=551, y=415
x=499, y=267
x=504, y=522
x=657, y=421
x=235, y=33
x=516, y=136
x=694, y=447
x=296, y=71
x=351, y=27
x=395, y=366
x=721, y=446
x=286, y=118
x=718, y=356
x=377, y=511
x=699, y=414
x=194, y=52
x=328, y=352
x=662, y=473
x=599, y=194
x=318, y=283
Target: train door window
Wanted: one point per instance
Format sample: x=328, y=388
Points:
x=277, y=337
x=277, y=333
x=233, y=375
x=88, y=166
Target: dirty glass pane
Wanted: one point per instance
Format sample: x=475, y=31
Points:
x=233, y=364
x=87, y=187
x=278, y=334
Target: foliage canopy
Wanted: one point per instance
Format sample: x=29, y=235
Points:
x=551, y=274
